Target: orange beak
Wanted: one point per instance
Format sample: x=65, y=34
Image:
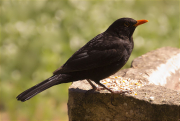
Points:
x=139, y=22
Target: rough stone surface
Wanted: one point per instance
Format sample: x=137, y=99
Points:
x=159, y=99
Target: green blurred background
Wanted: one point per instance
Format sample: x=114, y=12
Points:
x=37, y=37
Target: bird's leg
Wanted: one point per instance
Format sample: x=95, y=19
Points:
x=104, y=87
x=93, y=86
x=114, y=92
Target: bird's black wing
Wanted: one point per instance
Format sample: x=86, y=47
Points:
x=100, y=51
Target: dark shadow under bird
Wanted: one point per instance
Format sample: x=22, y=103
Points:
x=101, y=57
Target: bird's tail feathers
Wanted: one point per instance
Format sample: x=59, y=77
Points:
x=31, y=92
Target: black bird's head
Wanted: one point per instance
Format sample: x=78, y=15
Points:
x=124, y=27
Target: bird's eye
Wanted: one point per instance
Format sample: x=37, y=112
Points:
x=126, y=24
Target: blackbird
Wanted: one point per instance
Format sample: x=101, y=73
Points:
x=101, y=57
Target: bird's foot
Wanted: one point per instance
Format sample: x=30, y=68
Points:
x=99, y=88
x=94, y=89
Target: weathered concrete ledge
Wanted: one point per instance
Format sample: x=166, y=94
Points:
x=158, y=99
